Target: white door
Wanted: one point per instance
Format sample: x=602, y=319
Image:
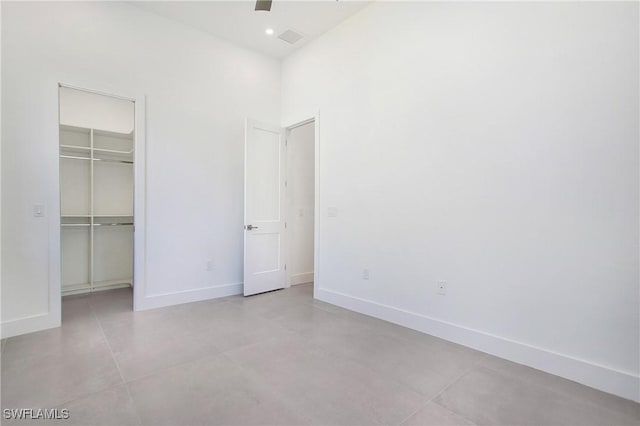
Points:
x=264, y=202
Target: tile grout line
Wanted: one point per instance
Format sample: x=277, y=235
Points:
x=446, y=387
x=477, y=364
x=263, y=383
x=465, y=418
x=181, y=363
x=454, y=380
x=167, y=367
x=473, y=366
x=124, y=383
x=86, y=395
x=347, y=359
x=548, y=388
x=69, y=401
x=300, y=334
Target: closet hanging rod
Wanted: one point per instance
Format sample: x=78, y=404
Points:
x=88, y=148
x=113, y=151
x=112, y=161
x=73, y=157
x=75, y=147
x=75, y=224
x=112, y=224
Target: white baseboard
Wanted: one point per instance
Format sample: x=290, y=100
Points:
x=45, y=321
x=305, y=277
x=30, y=324
x=623, y=384
x=187, y=296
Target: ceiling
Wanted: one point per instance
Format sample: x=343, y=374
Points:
x=237, y=22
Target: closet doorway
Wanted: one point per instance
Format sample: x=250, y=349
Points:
x=300, y=203
x=97, y=191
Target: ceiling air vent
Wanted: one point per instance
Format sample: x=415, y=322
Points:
x=290, y=36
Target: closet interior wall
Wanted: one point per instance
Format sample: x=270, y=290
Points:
x=300, y=203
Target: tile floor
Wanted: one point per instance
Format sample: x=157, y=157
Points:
x=279, y=358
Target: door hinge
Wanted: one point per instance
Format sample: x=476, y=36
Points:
x=285, y=266
x=285, y=225
x=285, y=183
x=286, y=142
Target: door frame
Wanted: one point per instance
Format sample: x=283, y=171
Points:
x=305, y=119
x=139, y=191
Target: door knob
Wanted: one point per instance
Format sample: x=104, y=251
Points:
x=250, y=227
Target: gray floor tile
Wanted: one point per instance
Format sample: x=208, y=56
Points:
x=269, y=305
x=79, y=330
x=329, y=307
x=564, y=386
x=47, y=368
x=328, y=388
x=110, y=407
x=113, y=406
x=426, y=365
x=306, y=288
x=153, y=340
x=213, y=391
x=308, y=320
x=382, y=327
x=485, y=396
x=49, y=379
x=112, y=305
x=281, y=349
x=231, y=326
x=436, y=415
x=276, y=358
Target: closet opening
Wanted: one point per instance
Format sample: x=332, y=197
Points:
x=97, y=159
x=300, y=191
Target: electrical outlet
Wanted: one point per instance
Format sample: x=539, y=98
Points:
x=209, y=265
x=365, y=274
x=442, y=287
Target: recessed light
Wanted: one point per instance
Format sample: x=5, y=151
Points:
x=269, y=31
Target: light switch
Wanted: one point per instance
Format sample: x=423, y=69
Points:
x=38, y=210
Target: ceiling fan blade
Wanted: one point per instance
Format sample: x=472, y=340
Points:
x=263, y=5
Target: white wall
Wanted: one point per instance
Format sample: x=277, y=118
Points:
x=495, y=146
x=300, y=203
x=198, y=91
x=84, y=109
